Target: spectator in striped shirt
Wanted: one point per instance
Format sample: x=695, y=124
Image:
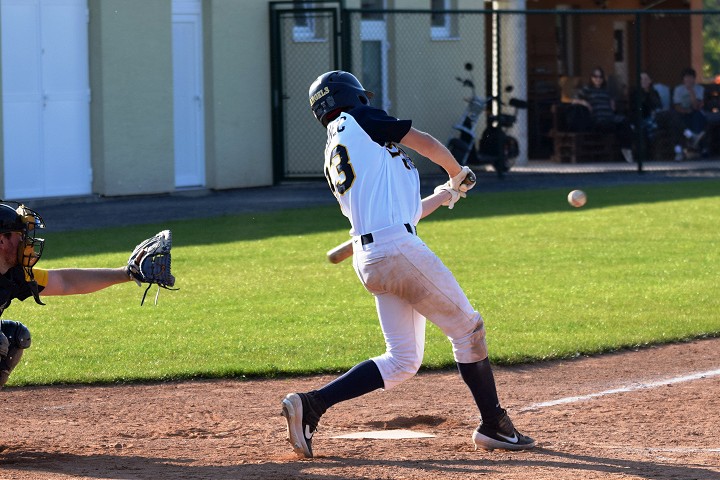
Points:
x=596, y=97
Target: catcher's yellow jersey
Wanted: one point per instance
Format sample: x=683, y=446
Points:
x=40, y=275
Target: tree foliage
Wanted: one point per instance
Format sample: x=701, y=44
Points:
x=711, y=39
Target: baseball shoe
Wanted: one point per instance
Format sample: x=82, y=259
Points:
x=679, y=153
x=501, y=434
x=627, y=155
x=302, y=420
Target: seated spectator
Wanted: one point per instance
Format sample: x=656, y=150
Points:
x=645, y=104
x=688, y=103
x=596, y=97
x=655, y=114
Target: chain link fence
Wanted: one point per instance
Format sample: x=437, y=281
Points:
x=415, y=60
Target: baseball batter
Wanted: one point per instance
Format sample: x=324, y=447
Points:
x=378, y=189
x=20, y=250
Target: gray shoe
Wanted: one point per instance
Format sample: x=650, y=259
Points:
x=627, y=155
x=501, y=434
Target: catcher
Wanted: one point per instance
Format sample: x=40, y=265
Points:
x=20, y=250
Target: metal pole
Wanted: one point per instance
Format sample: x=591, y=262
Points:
x=642, y=146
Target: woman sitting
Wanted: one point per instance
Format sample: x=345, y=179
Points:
x=596, y=97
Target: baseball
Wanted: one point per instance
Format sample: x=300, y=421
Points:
x=577, y=198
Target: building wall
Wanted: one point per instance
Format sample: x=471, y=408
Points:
x=130, y=50
x=237, y=82
x=431, y=96
x=131, y=75
x=2, y=144
x=131, y=82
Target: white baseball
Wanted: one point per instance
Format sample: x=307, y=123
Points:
x=577, y=198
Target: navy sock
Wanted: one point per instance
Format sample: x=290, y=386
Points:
x=480, y=380
x=361, y=379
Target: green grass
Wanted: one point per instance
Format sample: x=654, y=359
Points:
x=638, y=265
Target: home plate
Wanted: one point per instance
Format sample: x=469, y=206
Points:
x=387, y=434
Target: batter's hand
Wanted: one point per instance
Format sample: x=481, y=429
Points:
x=454, y=194
x=465, y=180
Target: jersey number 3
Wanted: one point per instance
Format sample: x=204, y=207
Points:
x=339, y=171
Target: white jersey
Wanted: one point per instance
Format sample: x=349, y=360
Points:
x=373, y=180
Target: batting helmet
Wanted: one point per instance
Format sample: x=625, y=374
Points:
x=336, y=91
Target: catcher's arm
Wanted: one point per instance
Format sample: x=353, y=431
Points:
x=73, y=281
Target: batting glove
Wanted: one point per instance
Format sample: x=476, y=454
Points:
x=454, y=194
x=465, y=177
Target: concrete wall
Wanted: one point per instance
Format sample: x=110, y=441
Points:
x=237, y=83
x=130, y=43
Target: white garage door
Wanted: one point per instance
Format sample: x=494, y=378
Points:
x=46, y=98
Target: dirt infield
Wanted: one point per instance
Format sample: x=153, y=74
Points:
x=623, y=416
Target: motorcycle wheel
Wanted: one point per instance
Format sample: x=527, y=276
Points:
x=506, y=161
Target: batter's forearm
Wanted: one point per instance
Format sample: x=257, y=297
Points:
x=433, y=202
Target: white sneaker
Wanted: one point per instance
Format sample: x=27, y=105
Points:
x=679, y=155
x=627, y=155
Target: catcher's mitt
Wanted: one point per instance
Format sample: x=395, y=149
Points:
x=150, y=263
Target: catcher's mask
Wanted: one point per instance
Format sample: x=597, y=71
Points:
x=334, y=92
x=27, y=222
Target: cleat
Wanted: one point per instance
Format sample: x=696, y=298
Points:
x=501, y=434
x=302, y=419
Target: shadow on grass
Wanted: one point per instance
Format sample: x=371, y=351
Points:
x=213, y=228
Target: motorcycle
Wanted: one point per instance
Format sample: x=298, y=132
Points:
x=495, y=147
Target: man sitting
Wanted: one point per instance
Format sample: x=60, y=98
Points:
x=688, y=103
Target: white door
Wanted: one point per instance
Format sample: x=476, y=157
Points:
x=188, y=93
x=46, y=97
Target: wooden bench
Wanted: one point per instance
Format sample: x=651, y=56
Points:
x=580, y=147
x=584, y=147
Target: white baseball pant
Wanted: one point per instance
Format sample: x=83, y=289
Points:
x=410, y=283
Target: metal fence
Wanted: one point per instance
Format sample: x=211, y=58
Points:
x=411, y=60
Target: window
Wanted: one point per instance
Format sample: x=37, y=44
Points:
x=372, y=5
x=305, y=28
x=443, y=25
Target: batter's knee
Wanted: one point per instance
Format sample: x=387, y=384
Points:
x=396, y=369
x=16, y=338
x=471, y=347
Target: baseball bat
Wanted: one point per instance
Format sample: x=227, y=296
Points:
x=468, y=180
x=341, y=252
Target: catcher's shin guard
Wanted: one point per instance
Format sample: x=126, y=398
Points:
x=18, y=339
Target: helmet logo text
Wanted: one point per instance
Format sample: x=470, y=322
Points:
x=318, y=95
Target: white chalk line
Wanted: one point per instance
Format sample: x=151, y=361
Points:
x=661, y=449
x=625, y=389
